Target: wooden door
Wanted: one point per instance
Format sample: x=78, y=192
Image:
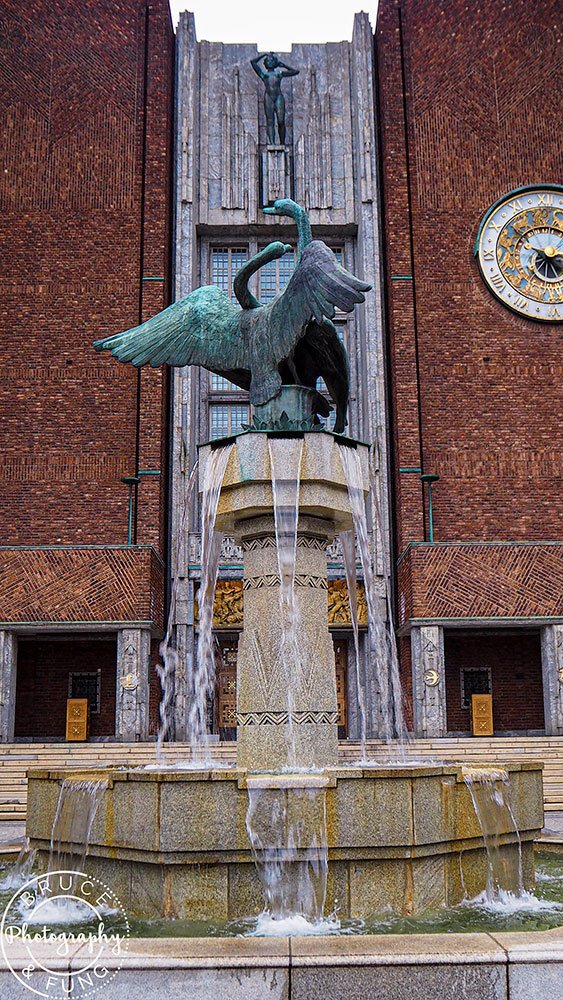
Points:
x=226, y=701
x=341, y=663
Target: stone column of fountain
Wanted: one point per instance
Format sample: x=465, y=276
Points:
x=286, y=712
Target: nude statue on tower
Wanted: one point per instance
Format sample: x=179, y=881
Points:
x=272, y=73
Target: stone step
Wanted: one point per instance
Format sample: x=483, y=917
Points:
x=16, y=759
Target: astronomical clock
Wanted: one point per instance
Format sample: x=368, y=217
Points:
x=519, y=249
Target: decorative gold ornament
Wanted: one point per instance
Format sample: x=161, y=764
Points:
x=519, y=249
x=431, y=677
x=339, y=607
x=228, y=606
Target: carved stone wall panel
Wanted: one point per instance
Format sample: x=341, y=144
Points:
x=323, y=126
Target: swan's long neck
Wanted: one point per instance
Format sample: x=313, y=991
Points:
x=240, y=285
x=304, y=234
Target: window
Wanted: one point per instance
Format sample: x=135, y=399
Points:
x=225, y=262
x=273, y=277
x=220, y=384
x=86, y=685
x=475, y=680
x=227, y=418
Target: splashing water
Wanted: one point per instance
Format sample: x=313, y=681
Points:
x=381, y=634
x=296, y=925
x=287, y=832
x=285, y=464
x=19, y=872
x=203, y=679
x=76, y=810
x=490, y=794
x=348, y=543
x=168, y=651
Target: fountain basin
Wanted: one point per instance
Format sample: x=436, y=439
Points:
x=174, y=843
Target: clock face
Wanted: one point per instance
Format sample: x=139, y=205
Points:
x=520, y=252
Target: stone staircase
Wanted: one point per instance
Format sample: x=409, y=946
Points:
x=17, y=758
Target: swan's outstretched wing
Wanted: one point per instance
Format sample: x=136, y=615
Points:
x=201, y=329
x=316, y=289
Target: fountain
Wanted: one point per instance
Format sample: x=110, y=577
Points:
x=288, y=828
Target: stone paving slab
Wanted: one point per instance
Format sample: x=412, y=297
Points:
x=511, y=966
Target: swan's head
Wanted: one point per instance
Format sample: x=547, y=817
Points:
x=275, y=250
x=285, y=206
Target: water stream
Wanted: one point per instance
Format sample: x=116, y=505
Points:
x=382, y=644
x=287, y=832
x=348, y=542
x=285, y=464
x=490, y=794
x=76, y=809
x=168, y=650
x=201, y=684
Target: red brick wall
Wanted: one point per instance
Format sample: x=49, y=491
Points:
x=155, y=691
x=85, y=153
x=515, y=661
x=42, y=685
x=405, y=668
x=477, y=389
x=122, y=585
x=442, y=581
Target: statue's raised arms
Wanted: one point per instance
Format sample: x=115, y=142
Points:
x=254, y=347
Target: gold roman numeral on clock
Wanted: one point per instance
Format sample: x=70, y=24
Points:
x=516, y=205
x=498, y=282
x=553, y=313
x=488, y=255
x=520, y=302
x=495, y=225
x=545, y=199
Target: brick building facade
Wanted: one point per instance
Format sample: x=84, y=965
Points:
x=444, y=120
x=85, y=150
x=476, y=388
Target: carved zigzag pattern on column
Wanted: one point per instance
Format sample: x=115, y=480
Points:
x=480, y=581
x=283, y=718
x=273, y=580
x=269, y=542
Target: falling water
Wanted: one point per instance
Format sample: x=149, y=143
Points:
x=287, y=832
x=203, y=679
x=19, y=872
x=382, y=640
x=169, y=653
x=348, y=543
x=285, y=465
x=77, y=805
x=490, y=794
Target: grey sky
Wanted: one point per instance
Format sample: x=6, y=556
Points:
x=274, y=25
